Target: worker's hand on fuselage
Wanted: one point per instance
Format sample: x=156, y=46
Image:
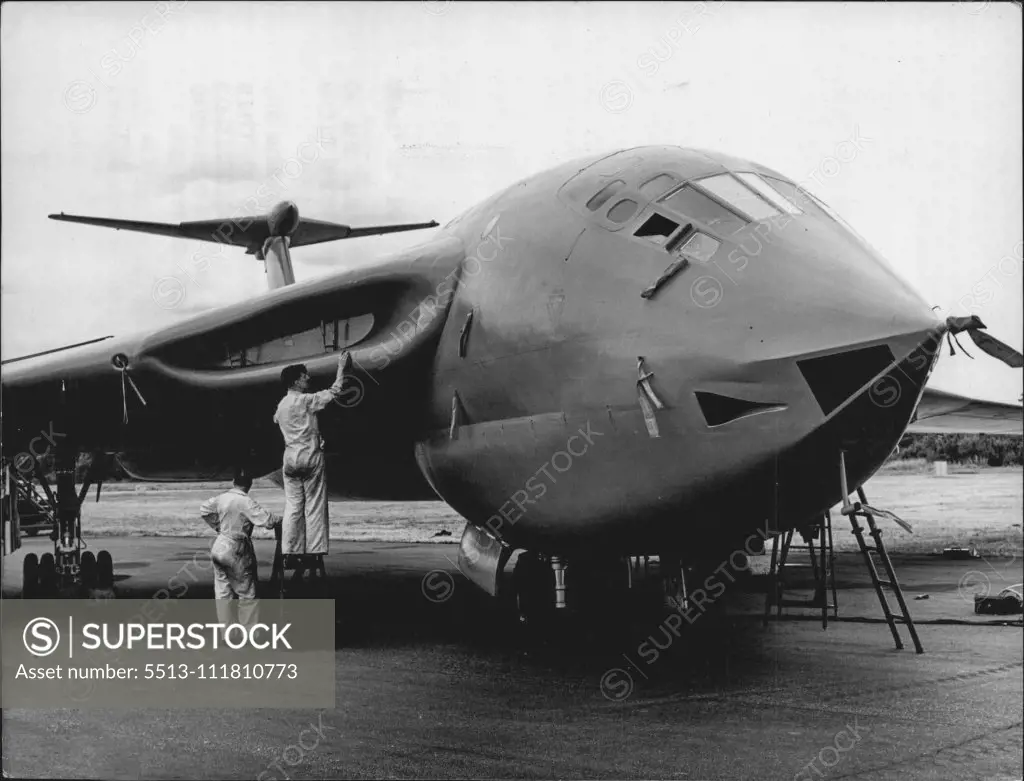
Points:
x=344, y=365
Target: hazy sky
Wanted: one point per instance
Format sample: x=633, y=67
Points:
x=376, y=113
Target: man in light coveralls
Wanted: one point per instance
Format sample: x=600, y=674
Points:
x=306, y=523
x=232, y=515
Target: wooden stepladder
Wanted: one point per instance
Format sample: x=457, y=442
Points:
x=862, y=509
x=822, y=565
x=298, y=563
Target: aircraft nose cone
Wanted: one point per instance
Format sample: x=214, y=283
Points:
x=840, y=295
x=865, y=361
x=284, y=219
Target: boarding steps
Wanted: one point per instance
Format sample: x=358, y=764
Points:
x=34, y=509
x=822, y=565
x=823, y=569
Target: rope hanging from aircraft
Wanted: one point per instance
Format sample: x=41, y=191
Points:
x=647, y=397
x=120, y=362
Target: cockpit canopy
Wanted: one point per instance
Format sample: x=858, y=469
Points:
x=633, y=191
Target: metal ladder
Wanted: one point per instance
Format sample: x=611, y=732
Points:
x=862, y=509
x=822, y=566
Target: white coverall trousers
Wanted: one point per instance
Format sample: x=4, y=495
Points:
x=306, y=522
x=305, y=528
x=233, y=515
x=234, y=568
x=234, y=578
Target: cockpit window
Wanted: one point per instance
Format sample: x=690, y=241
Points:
x=605, y=193
x=739, y=196
x=623, y=210
x=657, y=229
x=658, y=186
x=834, y=215
x=695, y=205
x=809, y=203
x=700, y=247
x=764, y=189
x=796, y=195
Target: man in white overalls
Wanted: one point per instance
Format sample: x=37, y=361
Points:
x=232, y=515
x=306, y=525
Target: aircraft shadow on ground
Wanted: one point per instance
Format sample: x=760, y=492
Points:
x=391, y=611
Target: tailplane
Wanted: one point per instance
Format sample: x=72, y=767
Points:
x=267, y=237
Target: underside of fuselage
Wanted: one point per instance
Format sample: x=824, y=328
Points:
x=599, y=481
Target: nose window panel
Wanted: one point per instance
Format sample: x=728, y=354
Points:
x=657, y=229
x=763, y=188
x=733, y=192
x=623, y=210
x=657, y=186
x=835, y=378
x=798, y=196
x=700, y=248
x=690, y=203
x=604, y=194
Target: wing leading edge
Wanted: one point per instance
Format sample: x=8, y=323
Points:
x=941, y=412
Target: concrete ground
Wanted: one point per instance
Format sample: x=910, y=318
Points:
x=435, y=681
x=981, y=507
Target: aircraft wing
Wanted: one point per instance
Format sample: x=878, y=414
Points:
x=189, y=401
x=940, y=412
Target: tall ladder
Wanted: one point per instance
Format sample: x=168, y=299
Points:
x=862, y=509
x=822, y=566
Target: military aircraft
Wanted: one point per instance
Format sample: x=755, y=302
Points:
x=654, y=350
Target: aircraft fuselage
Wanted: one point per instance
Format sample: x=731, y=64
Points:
x=657, y=347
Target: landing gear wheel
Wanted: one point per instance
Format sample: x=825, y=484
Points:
x=47, y=575
x=87, y=570
x=104, y=570
x=29, y=576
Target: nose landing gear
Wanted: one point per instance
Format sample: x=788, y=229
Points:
x=552, y=589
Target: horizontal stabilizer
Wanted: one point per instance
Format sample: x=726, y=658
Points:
x=250, y=232
x=317, y=231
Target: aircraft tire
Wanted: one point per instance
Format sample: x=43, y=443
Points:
x=47, y=575
x=104, y=569
x=87, y=569
x=29, y=576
